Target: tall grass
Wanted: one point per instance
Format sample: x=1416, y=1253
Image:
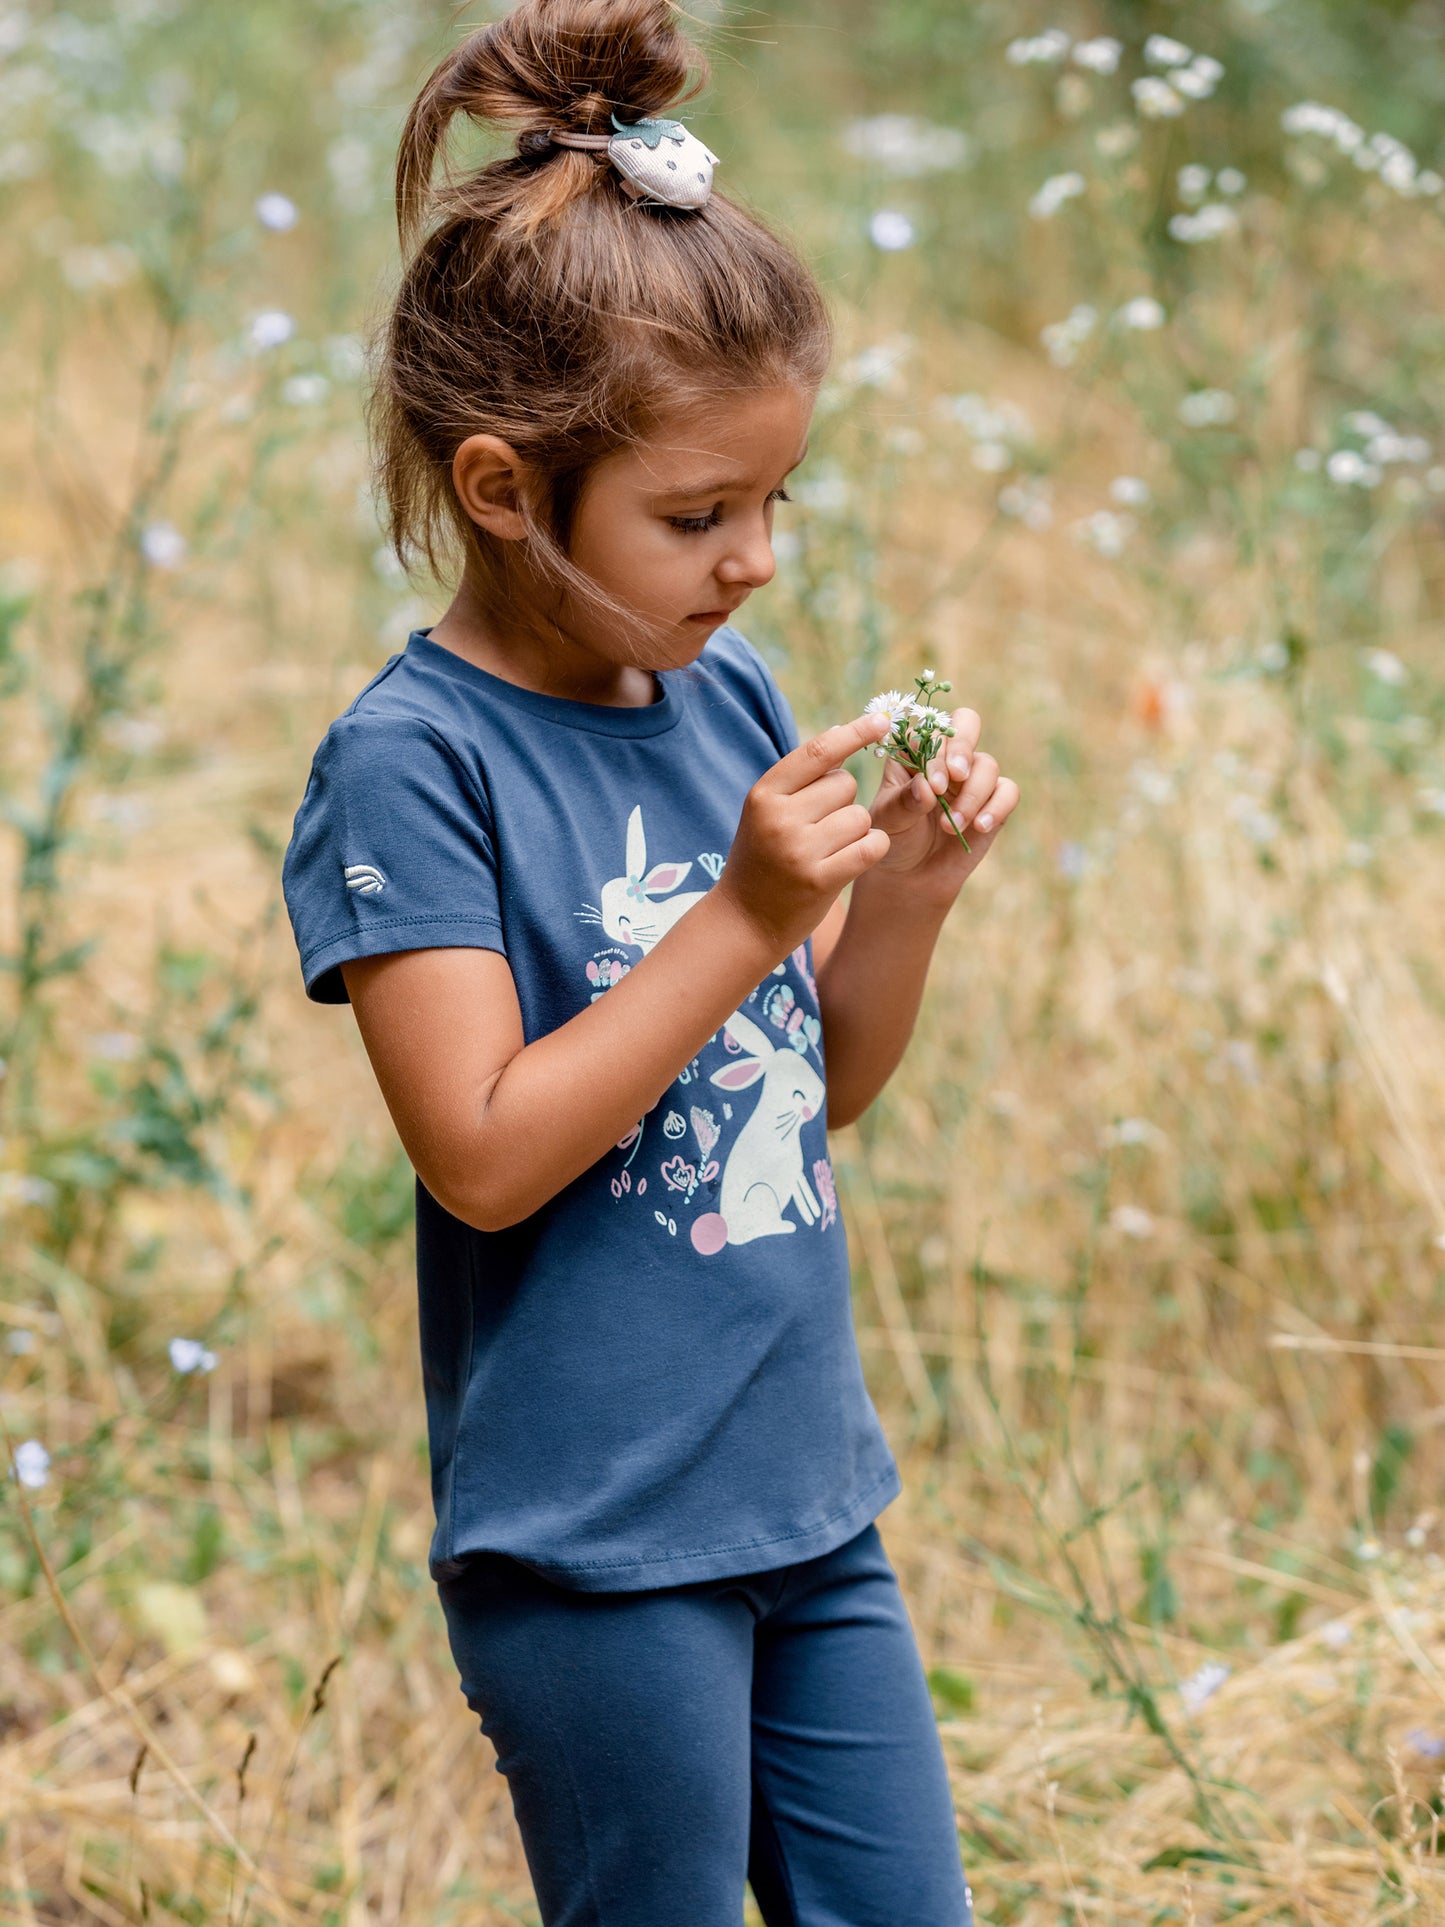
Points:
x=1149, y=1230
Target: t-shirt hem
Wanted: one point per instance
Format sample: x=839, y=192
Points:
x=710, y=1562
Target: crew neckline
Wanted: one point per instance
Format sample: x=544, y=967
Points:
x=603, y=719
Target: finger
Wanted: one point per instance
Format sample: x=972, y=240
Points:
x=843, y=827
x=825, y=752
x=831, y=792
x=974, y=794
x=1000, y=807
x=857, y=857
x=958, y=755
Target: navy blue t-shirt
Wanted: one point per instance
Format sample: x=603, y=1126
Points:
x=653, y=1378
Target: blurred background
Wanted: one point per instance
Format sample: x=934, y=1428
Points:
x=1135, y=432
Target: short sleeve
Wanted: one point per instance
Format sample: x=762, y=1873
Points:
x=391, y=850
x=781, y=724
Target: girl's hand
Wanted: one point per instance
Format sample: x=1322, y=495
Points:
x=922, y=845
x=802, y=836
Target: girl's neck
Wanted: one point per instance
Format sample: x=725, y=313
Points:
x=550, y=665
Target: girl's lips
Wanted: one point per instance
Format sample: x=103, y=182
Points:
x=713, y=616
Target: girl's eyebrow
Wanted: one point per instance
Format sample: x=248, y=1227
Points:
x=719, y=486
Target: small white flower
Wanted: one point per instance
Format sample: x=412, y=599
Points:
x=1143, y=314
x=1132, y=1221
x=1385, y=666
x=1116, y=140
x=906, y=148
x=1062, y=339
x=1230, y=181
x=277, y=212
x=190, y=1355
x=1105, y=533
x=1336, y=1633
x=891, y=231
x=1193, y=182
x=345, y=357
x=23, y=1188
x=1161, y=51
x=1029, y=502
x=21, y=1341
x=878, y=366
x=1212, y=220
x=992, y=457
x=1047, y=48
x=270, y=328
x=892, y=703
x=1208, y=408
x=117, y=1046
x=1156, y=99
x=1368, y=1550
x=32, y=1463
x=1133, y=1130
x=303, y=391
x=1129, y=492
x=163, y=545
x=1100, y=56
x=1415, y=1538
x=1055, y=191
x=1350, y=469
x=1201, y=1686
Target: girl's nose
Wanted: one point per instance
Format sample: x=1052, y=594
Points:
x=750, y=562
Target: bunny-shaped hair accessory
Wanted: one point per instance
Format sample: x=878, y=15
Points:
x=661, y=163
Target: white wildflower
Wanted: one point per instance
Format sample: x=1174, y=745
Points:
x=1132, y=1221
x=1208, y=408
x=1212, y=220
x=1133, y=1130
x=190, y=1355
x=345, y=357
x=277, y=212
x=1230, y=181
x=1201, y=1686
x=878, y=366
x=1129, y=492
x=116, y=1046
x=1055, y=191
x=1199, y=79
x=905, y=148
x=32, y=1463
x=1161, y=51
x=1116, y=140
x=1385, y=666
x=892, y=703
x=270, y=328
x=1043, y=48
x=1030, y=502
x=1349, y=469
x=1100, y=56
x=1105, y=532
x=1143, y=314
x=1336, y=1633
x=163, y=545
x=1432, y=801
x=992, y=457
x=20, y=1187
x=1062, y=339
x=1368, y=1550
x=303, y=391
x=1193, y=182
x=21, y=1341
x=1156, y=99
x=891, y=230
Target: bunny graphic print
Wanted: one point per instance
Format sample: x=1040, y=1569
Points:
x=742, y=1187
x=654, y=1377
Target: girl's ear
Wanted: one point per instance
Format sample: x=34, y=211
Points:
x=489, y=476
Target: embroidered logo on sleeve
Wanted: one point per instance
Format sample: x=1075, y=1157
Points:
x=365, y=879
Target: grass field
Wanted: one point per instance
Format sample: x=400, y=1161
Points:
x=1136, y=433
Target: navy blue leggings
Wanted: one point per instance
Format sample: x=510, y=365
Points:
x=662, y=1747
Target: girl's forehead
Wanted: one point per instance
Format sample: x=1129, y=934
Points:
x=732, y=441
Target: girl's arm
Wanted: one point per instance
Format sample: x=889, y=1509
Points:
x=495, y=1126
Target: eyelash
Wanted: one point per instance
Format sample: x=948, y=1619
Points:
x=700, y=524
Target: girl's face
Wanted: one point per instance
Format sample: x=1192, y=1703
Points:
x=680, y=526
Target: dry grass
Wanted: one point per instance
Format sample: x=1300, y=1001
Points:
x=1149, y=1231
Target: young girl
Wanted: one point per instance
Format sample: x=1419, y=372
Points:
x=566, y=860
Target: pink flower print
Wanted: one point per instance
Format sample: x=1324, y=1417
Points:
x=800, y=964
x=780, y=1005
x=827, y=1193
x=623, y=1142
x=705, y=1127
x=604, y=972
x=679, y=1175
x=622, y=1184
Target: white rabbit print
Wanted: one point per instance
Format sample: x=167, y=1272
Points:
x=764, y=1172
x=641, y=906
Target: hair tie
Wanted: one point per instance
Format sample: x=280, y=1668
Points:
x=661, y=163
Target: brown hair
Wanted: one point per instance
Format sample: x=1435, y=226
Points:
x=538, y=302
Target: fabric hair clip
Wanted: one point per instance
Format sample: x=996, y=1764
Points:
x=661, y=163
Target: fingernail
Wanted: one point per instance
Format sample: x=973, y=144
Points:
x=960, y=766
x=985, y=821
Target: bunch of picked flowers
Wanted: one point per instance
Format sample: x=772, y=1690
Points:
x=916, y=731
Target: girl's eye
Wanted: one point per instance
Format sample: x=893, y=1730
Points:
x=699, y=524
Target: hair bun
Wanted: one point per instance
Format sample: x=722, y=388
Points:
x=574, y=63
